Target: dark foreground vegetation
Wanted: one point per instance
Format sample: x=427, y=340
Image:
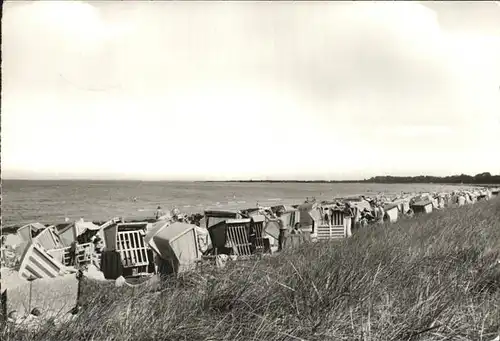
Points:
x=479, y=179
x=435, y=277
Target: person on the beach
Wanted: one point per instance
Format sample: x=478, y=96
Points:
x=176, y=214
x=380, y=214
x=357, y=217
x=461, y=200
x=377, y=217
x=327, y=216
x=283, y=232
x=366, y=217
x=98, y=244
x=72, y=254
x=296, y=229
x=158, y=213
x=348, y=215
x=373, y=209
x=440, y=202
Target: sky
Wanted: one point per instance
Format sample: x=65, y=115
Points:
x=239, y=90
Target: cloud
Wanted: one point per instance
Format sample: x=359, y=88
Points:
x=296, y=79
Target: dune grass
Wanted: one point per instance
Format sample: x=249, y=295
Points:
x=434, y=277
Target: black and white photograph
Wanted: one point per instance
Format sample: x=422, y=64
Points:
x=250, y=170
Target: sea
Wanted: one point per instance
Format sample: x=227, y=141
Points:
x=50, y=202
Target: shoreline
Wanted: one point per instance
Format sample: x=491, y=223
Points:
x=9, y=229
x=489, y=185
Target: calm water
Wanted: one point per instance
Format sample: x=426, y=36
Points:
x=52, y=201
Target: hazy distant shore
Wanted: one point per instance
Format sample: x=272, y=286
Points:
x=349, y=182
x=485, y=179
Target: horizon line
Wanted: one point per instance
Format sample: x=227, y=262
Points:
x=236, y=180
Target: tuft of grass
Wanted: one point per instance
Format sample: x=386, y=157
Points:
x=435, y=277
